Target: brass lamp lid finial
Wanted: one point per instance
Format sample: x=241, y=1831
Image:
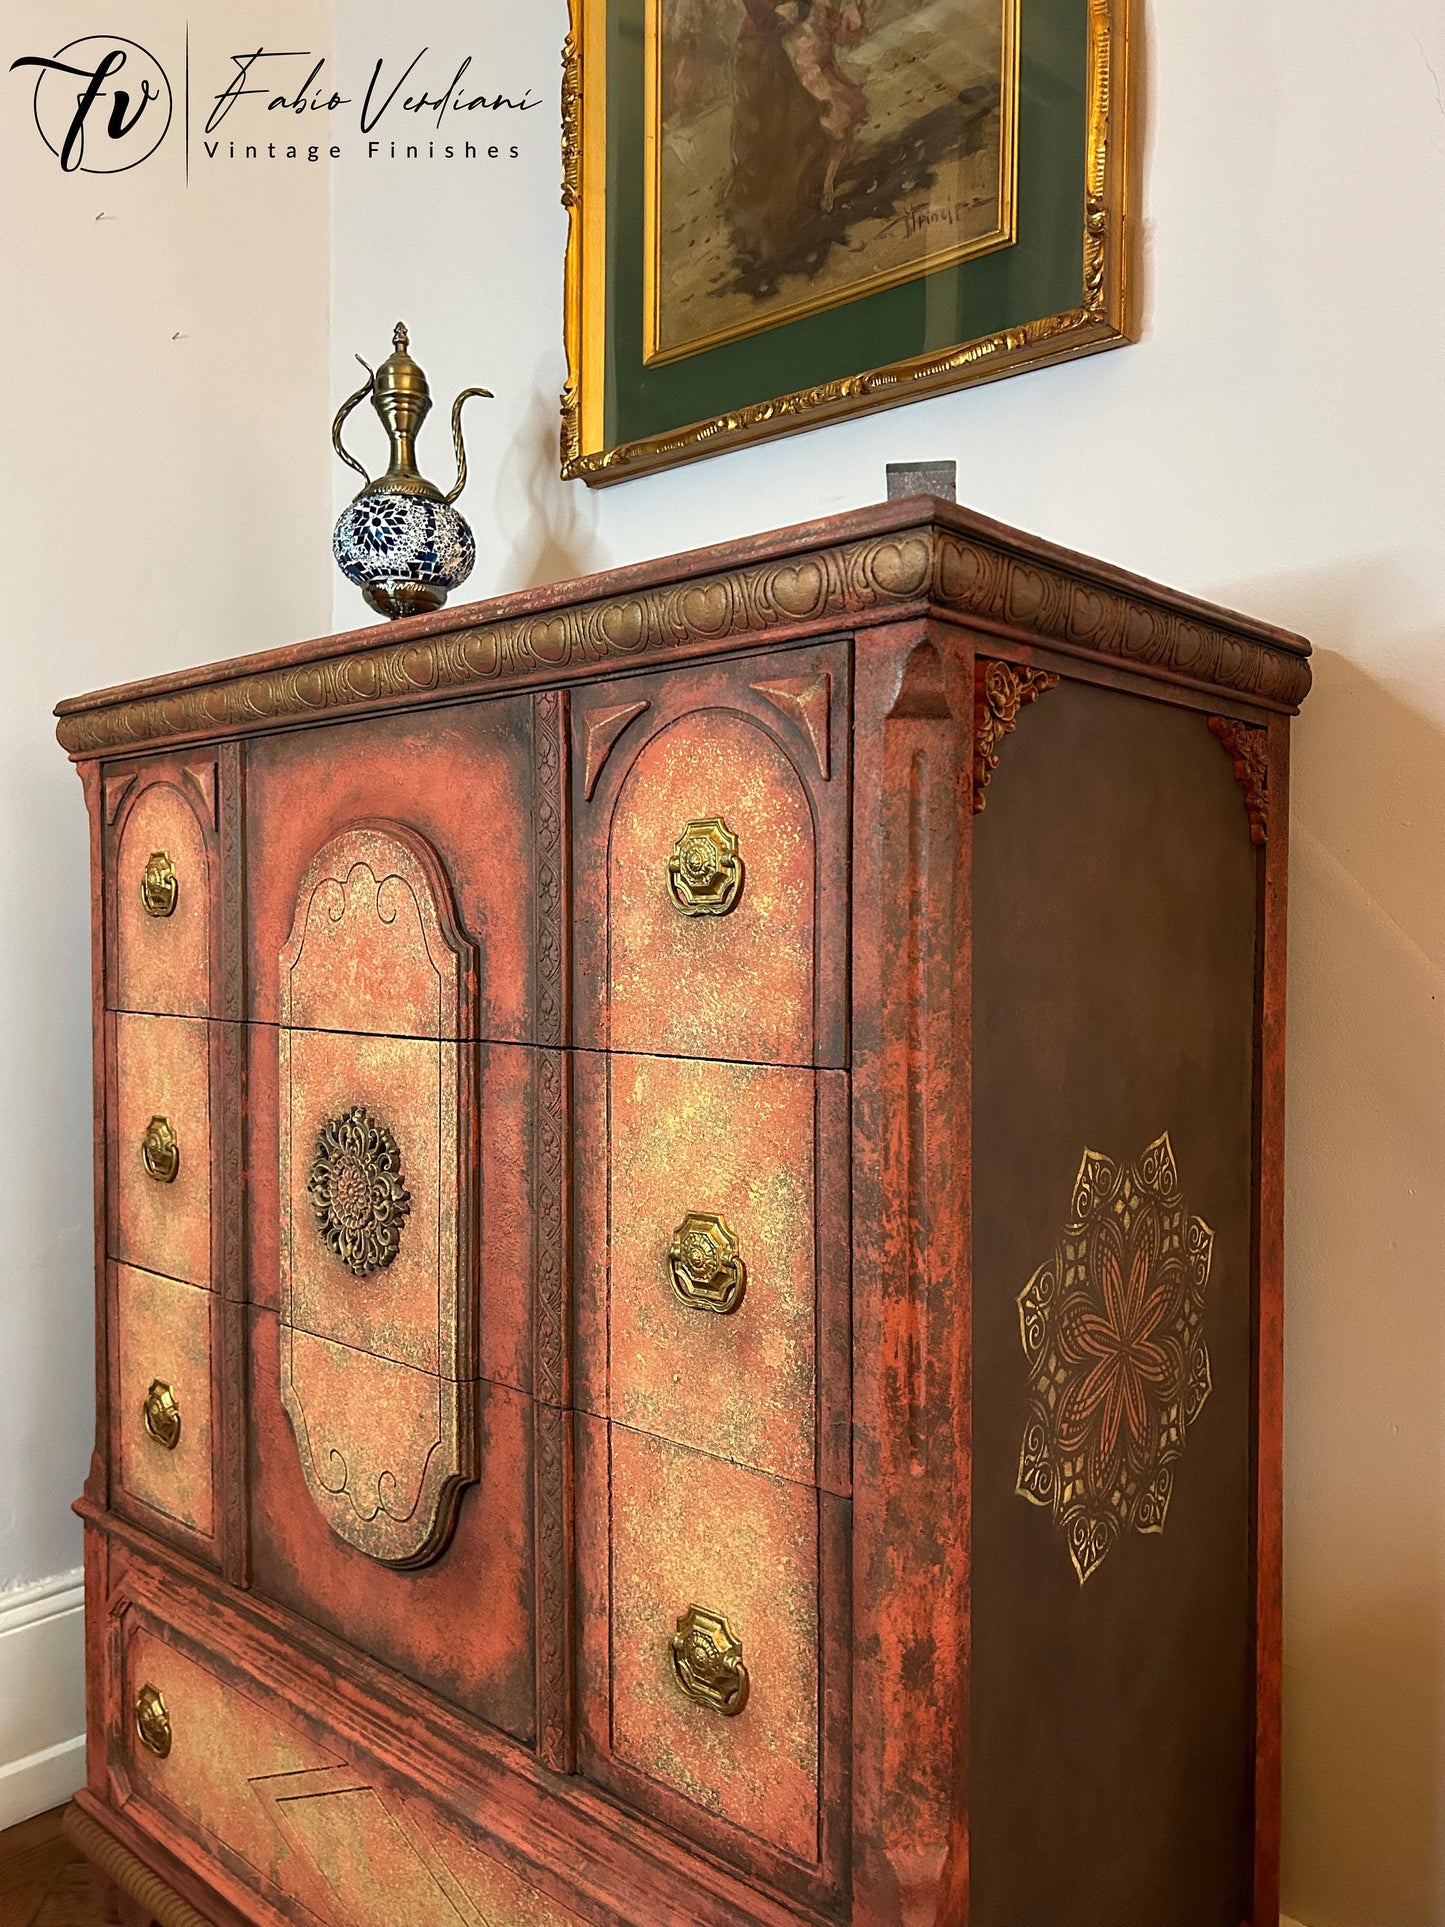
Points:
x=400, y=339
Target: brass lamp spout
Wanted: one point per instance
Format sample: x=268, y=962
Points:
x=401, y=396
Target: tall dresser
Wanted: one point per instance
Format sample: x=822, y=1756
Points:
x=688, y=1235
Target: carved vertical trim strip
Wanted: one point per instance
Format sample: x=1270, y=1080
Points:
x=551, y=1177
x=1248, y=749
x=550, y=861
x=552, y=1388
x=550, y=1185
x=231, y=910
x=230, y=1170
x=916, y=884
x=1002, y=691
x=228, y=1180
x=556, y=1722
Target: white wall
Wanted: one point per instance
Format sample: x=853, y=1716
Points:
x=163, y=497
x=1276, y=442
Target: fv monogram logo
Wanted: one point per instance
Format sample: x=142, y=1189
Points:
x=102, y=104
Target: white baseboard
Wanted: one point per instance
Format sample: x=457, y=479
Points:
x=42, y=1696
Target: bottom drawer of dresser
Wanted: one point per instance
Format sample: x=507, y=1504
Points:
x=307, y=1824
x=713, y=1691
x=295, y=1794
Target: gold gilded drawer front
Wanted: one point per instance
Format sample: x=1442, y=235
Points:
x=163, y=961
x=165, y=1349
x=162, y=1072
x=326, y=1833
x=731, y=975
x=395, y=1866
x=221, y=1743
x=690, y=1531
x=721, y=1156
x=402, y=1302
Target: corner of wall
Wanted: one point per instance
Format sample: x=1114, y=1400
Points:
x=42, y=1699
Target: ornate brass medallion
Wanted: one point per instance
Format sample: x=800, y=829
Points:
x=707, y=1661
x=162, y=1415
x=705, y=870
x=1113, y=1331
x=160, y=1151
x=707, y=1270
x=153, y=1721
x=357, y=1193
x=159, y=888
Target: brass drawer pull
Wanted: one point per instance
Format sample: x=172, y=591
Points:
x=163, y=1415
x=160, y=1153
x=707, y=1662
x=705, y=871
x=152, y=1721
x=159, y=888
x=707, y=1270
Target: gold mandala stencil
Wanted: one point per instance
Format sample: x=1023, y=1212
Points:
x=1113, y=1332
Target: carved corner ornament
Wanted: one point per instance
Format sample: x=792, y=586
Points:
x=1118, y=1368
x=1002, y=691
x=1248, y=747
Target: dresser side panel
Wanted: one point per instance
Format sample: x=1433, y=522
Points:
x=1115, y=939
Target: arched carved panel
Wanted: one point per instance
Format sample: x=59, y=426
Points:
x=712, y=885
x=377, y=1351
x=162, y=880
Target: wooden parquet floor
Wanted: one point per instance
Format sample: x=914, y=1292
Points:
x=44, y=1882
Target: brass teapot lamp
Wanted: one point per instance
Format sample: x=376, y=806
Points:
x=401, y=541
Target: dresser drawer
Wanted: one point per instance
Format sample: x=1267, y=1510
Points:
x=704, y=1648
x=195, y=1741
x=160, y=1145
x=264, y=1785
x=162, y=1417
x=162, y=857
x=713, y=1287
x=463, y=1625
x=711, y=860
x=454, y=789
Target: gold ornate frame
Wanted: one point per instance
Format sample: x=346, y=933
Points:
x=1101, y=319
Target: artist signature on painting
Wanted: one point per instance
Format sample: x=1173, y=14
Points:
x=926, y=216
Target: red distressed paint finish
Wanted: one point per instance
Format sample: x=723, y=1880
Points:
x=652, y=919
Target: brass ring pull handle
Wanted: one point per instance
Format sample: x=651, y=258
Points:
x=706, y=1265
x=705, y=870
x=162, y=1415
x=159, y=887
x=707, y=1662
x=152, y=1721
x=159, y=1151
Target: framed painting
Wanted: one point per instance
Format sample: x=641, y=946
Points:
x=787, y=211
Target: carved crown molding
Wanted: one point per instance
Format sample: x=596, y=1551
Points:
x=851, y=583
